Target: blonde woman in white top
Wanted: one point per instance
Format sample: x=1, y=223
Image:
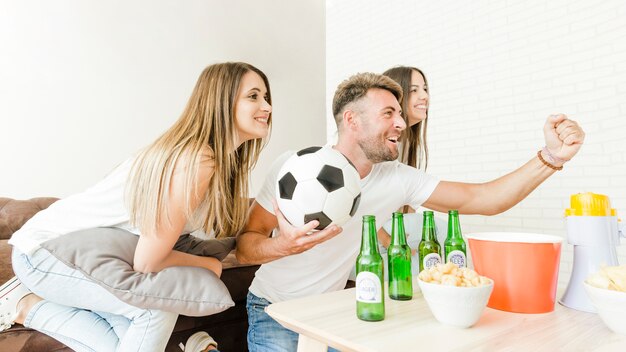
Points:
x=194, y=176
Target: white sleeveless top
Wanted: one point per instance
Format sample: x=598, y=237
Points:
x=99, y=206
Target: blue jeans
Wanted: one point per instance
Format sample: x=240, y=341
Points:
x=264, y=333
x=88, y=317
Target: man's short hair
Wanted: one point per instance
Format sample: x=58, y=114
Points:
x=356, y=87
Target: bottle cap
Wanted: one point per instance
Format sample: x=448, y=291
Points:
x=590, y=204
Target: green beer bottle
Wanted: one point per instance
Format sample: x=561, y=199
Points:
x=370, y=294
x=399, y=255
x=429, y=248
x=454, y=246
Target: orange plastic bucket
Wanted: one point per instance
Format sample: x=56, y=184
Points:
x=523, y=266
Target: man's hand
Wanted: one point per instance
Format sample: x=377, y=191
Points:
x=255, y=244
x=563, y=137
x=294, y=240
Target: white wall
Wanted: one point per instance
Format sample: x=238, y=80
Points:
x=85, y=84
x=496, y=69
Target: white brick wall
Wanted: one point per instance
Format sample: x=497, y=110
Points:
x=496, y=69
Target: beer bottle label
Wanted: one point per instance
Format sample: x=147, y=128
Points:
x=431, y=259
x=457, y=257
x=368, y=288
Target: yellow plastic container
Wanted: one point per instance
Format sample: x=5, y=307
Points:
x=590, y=204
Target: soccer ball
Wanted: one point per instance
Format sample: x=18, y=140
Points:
x=318, y=184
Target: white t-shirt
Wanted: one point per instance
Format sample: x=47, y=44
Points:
x=99, y=206
x=326, y=267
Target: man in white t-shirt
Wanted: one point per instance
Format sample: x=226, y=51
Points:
x=367, y=112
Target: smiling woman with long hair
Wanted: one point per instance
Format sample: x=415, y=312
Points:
x=193, y=177
x=414, y=103
x=414, y=151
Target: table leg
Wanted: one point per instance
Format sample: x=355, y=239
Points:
x=307, y=344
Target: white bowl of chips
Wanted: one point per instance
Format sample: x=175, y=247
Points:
x=455, y=296
x=607, y=291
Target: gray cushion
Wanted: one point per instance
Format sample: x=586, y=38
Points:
x=106, y=256
x=207, y=248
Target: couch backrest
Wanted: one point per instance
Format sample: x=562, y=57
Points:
x=14, y=213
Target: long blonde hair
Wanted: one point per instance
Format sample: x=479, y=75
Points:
x=206, y=126
x=414, y=147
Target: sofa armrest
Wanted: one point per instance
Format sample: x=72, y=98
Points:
x=14, y=213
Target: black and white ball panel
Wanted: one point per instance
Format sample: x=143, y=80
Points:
x=318, y=184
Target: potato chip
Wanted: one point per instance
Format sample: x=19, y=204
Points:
x=451, y=275
x=609, y=278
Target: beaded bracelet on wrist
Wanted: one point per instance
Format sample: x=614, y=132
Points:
x=557, y=168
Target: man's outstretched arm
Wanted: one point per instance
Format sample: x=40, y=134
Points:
x=563, y=139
